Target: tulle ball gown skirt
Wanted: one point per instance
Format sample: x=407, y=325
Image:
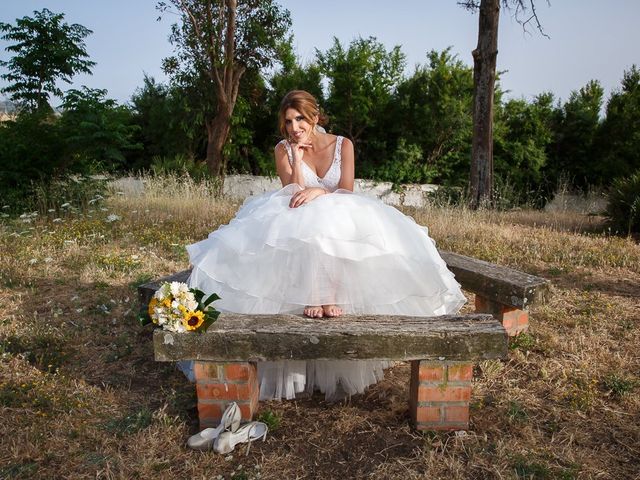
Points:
x=343, y=249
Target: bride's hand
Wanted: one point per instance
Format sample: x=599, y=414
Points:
x=298, y=149
x=305, y=196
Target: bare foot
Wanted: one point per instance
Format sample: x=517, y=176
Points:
x=331, y=310
x=313, y=312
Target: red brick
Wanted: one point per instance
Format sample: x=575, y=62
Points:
x=484, y=305
x=443, y=394
x=247, y=410
x=456, y=414
x=430, y=372
x=441, y=426
x=480, y=302
x=511, y=313
x=510, y=325
x=427, y=414
x=515, y=321
x=460, y=373
x=238, y=371
x=523, y=319
x=211, y=412
x=207, y=371
x=223, y=391
x=254, y=396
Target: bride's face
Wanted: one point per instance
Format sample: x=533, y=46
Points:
x=298, y=128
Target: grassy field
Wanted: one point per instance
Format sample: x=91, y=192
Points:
x=81, y=397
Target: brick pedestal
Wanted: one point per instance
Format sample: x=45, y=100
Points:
x=439, y=395
x=513, y=320
x=218, y=384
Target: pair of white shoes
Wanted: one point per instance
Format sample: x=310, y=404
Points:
x=224, y=438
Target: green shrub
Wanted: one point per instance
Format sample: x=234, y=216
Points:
x=623, y=208
x=180, y=164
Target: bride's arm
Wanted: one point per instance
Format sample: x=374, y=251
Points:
x=288, y=173
x=347, y=166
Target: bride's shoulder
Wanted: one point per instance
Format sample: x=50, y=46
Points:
x=331, y=139
x=345, y=142
x=281, y=146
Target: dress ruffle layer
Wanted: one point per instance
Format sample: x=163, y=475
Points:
x=341, y=248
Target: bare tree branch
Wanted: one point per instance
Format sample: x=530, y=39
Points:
x=518, y=7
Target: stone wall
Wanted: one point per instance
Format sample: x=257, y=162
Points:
x=243, y=186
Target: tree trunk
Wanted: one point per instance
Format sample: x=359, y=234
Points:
x=484, y=78
x=217, y=133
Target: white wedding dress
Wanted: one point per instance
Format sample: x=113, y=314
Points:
x=341, y=248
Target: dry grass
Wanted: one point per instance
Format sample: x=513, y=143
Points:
x=81, y=397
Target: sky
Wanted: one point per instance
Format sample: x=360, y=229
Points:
x=587, y=39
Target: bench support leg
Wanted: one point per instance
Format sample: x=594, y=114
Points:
x=219, y=383
x=439, y=395
x=514, y=320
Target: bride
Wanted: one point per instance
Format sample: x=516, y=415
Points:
x=316, y=248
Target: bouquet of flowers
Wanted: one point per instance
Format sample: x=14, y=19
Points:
x=177, y=308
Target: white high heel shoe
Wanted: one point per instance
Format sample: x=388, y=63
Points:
x=249, y=432
x=230, y=421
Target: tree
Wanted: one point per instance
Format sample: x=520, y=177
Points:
x=577, y=129
x=619, y=138
x=32, y=151
x=216, y=42
x=170, y=121
x=98, y=132
x=46, y=50
x=432, y=110
x=522, y=134
x=484, y=77
x=361, y=81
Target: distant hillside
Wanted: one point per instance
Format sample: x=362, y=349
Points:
x=7, y=106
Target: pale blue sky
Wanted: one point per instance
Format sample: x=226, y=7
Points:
x=589, y=39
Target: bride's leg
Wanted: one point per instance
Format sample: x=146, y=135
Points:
x=331, y=310
x=313, y=312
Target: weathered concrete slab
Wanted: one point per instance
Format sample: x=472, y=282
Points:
x=411, y=195
x=234, y=337
x=494, y=282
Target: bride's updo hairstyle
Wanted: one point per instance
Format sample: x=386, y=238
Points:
x=303, y=102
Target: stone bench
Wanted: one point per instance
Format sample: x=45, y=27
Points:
x=442, y=350
x=503, y=292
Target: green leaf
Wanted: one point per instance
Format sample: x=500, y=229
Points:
x=198, y=294
x=212, y=298
x=144, y=319
x=208, y=320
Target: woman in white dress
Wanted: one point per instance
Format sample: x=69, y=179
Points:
x=316, y=248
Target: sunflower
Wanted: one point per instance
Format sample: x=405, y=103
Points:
x=193, y=320
x=152, y=306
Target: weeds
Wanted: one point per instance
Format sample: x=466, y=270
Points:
x=619, y=386
x=531, y=470
x=19, y=470
x=523, y=341
x=131, y=423
x=516, y=412
x=82, y=397
x=271, y=419
x=44, y=350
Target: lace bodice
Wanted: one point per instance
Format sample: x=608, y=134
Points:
x=331, y=179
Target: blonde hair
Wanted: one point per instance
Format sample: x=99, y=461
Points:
x=303, y=102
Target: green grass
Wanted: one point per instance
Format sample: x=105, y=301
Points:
x=131, y=423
